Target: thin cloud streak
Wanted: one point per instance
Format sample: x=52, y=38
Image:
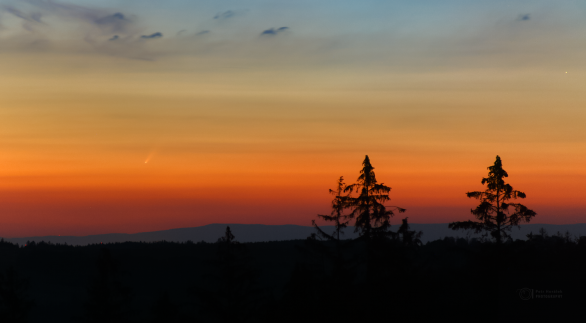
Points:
x=274, y=31
x=152, y=36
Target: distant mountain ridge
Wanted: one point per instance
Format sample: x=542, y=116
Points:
x=261, y=232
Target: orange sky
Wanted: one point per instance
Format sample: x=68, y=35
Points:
x=256, y=130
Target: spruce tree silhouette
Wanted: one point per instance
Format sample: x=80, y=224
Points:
x=109, y=300
x=408, y=238
x=493, y=211
x=227, y=241
x=372, y=221
x=14, y=301
x=339, y=203
x=235, y=296
x=372, y=216
x=308, y=276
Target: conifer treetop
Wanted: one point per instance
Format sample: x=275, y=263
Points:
x=494, y=211
x=368, y=208
x=367, y=176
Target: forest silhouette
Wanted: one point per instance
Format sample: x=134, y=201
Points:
x=383, y=274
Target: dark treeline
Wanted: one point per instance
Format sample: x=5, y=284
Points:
x=386, y=274
x=290, y=280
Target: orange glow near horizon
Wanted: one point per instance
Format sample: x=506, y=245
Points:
x=254, y=198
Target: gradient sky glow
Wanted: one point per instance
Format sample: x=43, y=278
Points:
x=243, y=122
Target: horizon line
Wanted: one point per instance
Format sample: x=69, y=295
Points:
x=228, y=224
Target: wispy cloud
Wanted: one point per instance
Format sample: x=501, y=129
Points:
x=225, y=15
x=114, y=23
x=93, y=20
x=32, y=17
x=274, y=31
x=152, y=36
x=67, y=10
x=78, y=26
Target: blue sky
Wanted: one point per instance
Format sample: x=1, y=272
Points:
x=380, y=25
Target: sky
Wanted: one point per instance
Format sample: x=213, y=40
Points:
x=133, y=116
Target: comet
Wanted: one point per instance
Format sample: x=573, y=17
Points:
x=150, y=156
x=153, y=152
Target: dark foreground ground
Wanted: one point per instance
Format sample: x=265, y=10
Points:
x=540, y=280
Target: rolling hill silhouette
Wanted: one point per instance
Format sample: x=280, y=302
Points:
x=260, y=232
